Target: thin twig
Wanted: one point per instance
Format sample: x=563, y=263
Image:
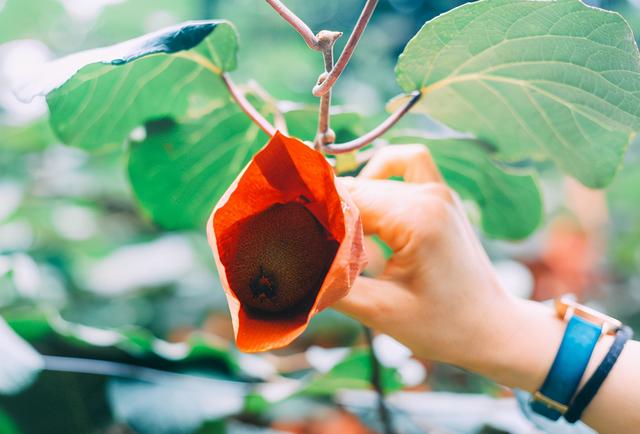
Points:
x=323, y=87
x=279, y=120
x=246, y=106
x=376, y=132
x=325, y=135
x=376, y=381
x=295, y=21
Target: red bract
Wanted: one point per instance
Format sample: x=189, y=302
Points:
x=287, y=241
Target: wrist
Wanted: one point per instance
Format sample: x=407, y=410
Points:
x=516, y=343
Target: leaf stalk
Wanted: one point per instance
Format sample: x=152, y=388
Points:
x=247, y=107
x=377, y=132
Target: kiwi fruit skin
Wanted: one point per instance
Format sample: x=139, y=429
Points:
x=281, y=257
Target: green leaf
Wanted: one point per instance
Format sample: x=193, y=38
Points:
x=133, y=341
x=7, y=425
x=98, y=97
x=543, y=79
x=20, y=365
x=34, y=136
x=511, y=203
x=180, y=171
x=354, y=372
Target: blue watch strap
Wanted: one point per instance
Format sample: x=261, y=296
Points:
x=553, y=398
x=591, y=387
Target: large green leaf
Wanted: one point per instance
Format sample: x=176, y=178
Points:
x=179, y=171
x=20, y=363
x=99, y=96
x=544, y=79
x=511, y=203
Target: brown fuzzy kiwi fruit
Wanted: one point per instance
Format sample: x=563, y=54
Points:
x=281, y=259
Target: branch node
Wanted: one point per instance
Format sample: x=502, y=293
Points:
x=325, y=138
x=327, y=38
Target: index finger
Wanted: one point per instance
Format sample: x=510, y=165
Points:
x=390, y=209
x=414, y=163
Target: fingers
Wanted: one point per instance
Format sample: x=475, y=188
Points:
x=385, y=209
x=414, y=163
x=368, y=300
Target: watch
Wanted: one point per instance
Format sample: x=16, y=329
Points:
x=585, y=326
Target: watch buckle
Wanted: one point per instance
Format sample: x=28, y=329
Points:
x=550, y=403
x=566, y=307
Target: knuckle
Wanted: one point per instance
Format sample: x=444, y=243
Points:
x=435, y=190
x=384, y=309
x=444, y=192
x=434, y=213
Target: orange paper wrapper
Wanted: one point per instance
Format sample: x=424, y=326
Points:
x=286, y=171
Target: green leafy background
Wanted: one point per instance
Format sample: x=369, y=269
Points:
x=106, y=282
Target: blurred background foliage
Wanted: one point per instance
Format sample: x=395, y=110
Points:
x=130, y=322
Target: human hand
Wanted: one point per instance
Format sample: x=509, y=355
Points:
x=439, y=294
x=439, y=286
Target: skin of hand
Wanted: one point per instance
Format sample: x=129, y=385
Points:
x=439, y=295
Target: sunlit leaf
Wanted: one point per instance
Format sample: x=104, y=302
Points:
x=98, y=97
x=179, y=171
x=354, y=372
x=511, y=203
x=20, y=363
x=549, y=79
